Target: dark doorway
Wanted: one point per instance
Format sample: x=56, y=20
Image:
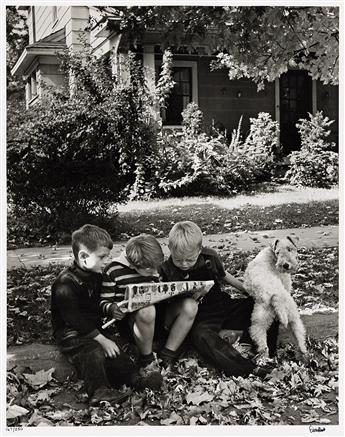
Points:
x=295, y=103
x=180, y=96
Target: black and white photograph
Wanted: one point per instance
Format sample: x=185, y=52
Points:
x=173, y=218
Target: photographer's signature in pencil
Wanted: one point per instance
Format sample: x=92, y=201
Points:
x=316, y=428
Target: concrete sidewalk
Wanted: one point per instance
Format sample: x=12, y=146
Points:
x=315, y=237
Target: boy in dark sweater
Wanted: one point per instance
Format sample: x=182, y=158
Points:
x=190, y=261
x=77, y=321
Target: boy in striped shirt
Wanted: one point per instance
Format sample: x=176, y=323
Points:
x=139, y=263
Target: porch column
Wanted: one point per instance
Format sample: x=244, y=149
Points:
x=314, y=96
x=277, y=102
x=149, y=66
x=150, y=77
x=121, y=68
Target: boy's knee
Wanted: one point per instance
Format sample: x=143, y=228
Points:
x=146, y=315
x=189, y=307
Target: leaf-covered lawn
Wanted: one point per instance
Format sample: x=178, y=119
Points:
x=213, y=219
x=193, y=394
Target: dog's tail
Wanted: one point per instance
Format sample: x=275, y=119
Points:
x=279, y=308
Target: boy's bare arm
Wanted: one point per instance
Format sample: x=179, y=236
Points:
x=234, y=282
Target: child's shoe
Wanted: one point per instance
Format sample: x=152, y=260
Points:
x=167, y=358
x=109, y=395
x=263, y=371
x=149, y=375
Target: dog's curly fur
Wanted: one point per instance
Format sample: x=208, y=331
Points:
x=268, y=280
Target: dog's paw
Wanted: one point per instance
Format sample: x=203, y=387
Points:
x=262, y=357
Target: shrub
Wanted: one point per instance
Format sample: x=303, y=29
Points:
x=192, y=119
x=70, y=158
x=315, y=164
x=262, y=144
x=254, y=159
x=195, y=163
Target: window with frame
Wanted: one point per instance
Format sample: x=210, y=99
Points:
x=180, y=96
x=32, y=85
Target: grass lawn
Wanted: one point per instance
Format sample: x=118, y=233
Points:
x=272, y=206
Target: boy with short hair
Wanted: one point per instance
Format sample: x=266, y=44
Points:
x=190, y=261
x=76, y=320
x=139, y=263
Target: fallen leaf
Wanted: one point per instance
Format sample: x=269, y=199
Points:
x=173, y=418
x=193, y=420
x=38, y=420
x=15, y=411
x=40, y=378
x=197, y=398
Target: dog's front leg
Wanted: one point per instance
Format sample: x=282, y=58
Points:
x=262, y=318
x=298, y=330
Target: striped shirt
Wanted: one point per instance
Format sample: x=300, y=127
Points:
x=116, y=276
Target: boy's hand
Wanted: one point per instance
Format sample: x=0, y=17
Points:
x=197, y=295
x=111, y=349
x=116, y=312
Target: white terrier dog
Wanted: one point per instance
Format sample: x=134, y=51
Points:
x=268, y=280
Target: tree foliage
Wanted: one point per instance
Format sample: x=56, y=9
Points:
x=260, y=43
x=17, y=38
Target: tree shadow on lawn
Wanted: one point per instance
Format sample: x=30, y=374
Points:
x=213, y=219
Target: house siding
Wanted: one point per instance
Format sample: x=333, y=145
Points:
x=71, y=18
x=44, y=21
x=218, y=97
x=51, y=75
x=219, y=101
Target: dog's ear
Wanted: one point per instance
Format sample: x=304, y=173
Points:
x=294, y=239
x=274, y=244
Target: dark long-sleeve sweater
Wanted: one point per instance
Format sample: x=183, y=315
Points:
x=75, y=303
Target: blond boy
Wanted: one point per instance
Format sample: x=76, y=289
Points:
x=189, y=260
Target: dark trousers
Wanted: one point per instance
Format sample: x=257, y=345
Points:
x=94, y=368
x=232, y=314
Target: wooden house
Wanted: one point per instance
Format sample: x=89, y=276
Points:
x=222, y=101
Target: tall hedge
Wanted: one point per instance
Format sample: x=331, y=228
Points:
x=71, y=157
